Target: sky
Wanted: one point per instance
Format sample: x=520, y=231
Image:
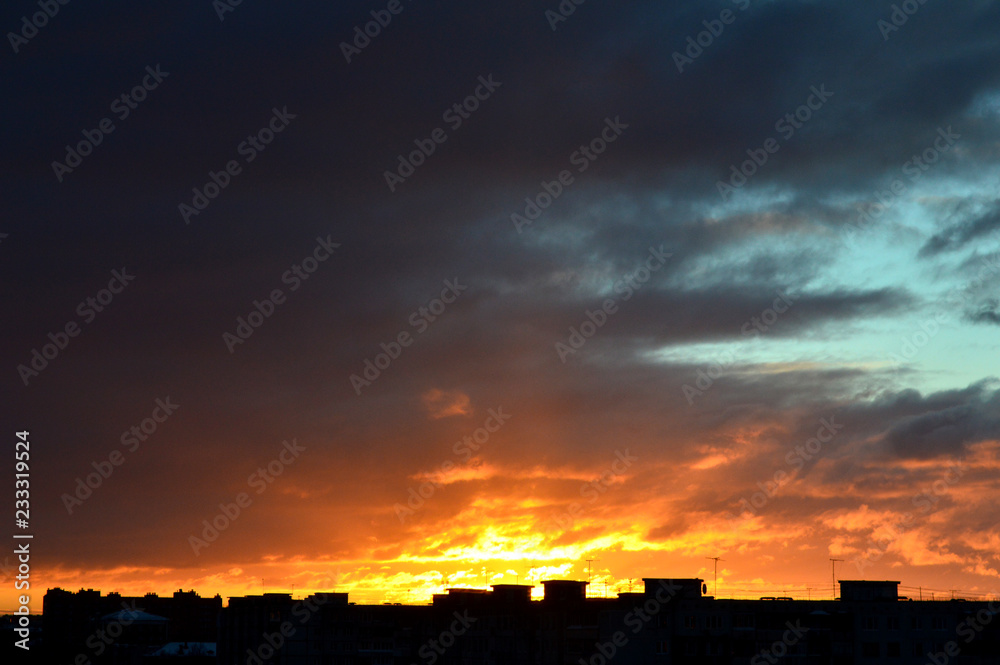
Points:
x=392, y=297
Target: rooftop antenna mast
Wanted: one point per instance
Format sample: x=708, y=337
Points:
x=589, y=562
x=716, y=560
x=833, y=576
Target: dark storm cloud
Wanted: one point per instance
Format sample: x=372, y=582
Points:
x=323, y=176
x=958, y=234
x=986, y=315
x=940, y=424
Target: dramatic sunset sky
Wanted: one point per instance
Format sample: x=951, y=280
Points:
x=796, y=368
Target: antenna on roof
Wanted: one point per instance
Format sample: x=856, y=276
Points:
x=833, y=576
x=589, y=561
x=717, y=560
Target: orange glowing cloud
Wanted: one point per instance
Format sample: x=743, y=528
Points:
x=446, y=403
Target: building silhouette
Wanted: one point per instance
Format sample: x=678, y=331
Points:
x=670, y=622
x=123, y=630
